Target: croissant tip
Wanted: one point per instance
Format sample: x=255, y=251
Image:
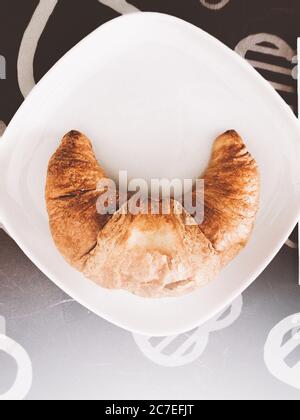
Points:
x=232, y=133
x=73, y=134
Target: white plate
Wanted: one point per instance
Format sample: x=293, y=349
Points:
x=152, y=92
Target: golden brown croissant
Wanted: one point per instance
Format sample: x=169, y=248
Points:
x=151, y=255
x=232, y=187
x=71, y=195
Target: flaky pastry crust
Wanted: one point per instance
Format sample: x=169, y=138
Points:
x=151, y=255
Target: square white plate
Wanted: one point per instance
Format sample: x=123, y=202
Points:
x=152, y=92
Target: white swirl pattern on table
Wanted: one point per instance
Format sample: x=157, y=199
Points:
x=121, y=6
x=284, y=341
x=23, y=382
x=29, y=44
x=2, y=128
x=2, y=68
x=166, y=351
x=214, y=5
x=270, y=45
x=34, y=31
x=291, y=244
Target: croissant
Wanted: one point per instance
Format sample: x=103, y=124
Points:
x=71, y=196
x=232, y=186
x=151, y=255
